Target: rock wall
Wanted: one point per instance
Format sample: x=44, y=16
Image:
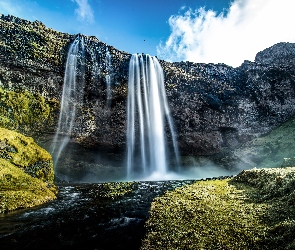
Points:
x=214, y=107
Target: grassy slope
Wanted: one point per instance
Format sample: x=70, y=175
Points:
x=26, y=172
x=253, y=211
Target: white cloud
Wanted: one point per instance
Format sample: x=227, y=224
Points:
x=8, y=7
x=84, y=11
x=248, y=27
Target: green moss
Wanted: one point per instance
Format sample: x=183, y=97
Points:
x=255, y=210
x=26, y=172
x=20, y=190
x=205, y=215
x=23, y=110
x=114, y=190
x=274, y=187
x=24, y=153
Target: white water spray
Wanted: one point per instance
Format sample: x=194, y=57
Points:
x=72, y=95
x=147, y=106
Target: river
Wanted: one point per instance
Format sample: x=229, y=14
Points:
x=82, y=218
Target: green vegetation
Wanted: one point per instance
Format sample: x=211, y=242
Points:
x=269, y=150
x=114, y=190
x=20, y=190
x=24, y=111
x=205, y=215
x=255, y=210
x=33, y=40
x=26, y=172
x=24, y=153
x=276, y=188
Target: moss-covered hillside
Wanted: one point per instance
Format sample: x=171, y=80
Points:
x=26, y=112
x=255, y=210
x=26, y=172
x=32, y=40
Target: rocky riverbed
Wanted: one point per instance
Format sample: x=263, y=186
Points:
x=85, y=216
x=253, y=210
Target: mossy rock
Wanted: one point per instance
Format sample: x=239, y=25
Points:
x=24, y=111
x=113, y=190
x=26, y=172
x=24, y=153
x=20, y=190
x=255, y=210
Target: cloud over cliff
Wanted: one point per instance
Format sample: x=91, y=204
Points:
x=230, y=37
x=84, y=11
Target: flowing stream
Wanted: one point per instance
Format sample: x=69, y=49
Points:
x=82, y=218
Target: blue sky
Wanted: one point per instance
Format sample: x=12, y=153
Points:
x=196, y=30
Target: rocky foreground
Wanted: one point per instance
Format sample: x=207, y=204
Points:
x=254, y=210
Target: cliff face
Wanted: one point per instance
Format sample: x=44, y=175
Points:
x=217, y=107
x=214, y=107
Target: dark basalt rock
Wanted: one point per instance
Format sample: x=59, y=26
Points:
x=215, y=107
x=281, y=55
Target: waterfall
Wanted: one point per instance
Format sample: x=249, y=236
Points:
x=108, y=63
x=148, y=109
x=72, y=95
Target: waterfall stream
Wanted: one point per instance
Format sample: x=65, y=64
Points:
x=147, y=107
x=72, y=95
x=108, y=62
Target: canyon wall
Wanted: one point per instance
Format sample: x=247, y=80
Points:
x=215, y=107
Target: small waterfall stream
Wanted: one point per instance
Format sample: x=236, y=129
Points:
x=108, y=62
x=147, y=106
x=72, y=95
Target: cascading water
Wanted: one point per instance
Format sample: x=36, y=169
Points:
x=72, y=95
x=147, y=107
x=108, y=63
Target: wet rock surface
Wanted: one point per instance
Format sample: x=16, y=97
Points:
x=85, y=216
x=215, y=107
